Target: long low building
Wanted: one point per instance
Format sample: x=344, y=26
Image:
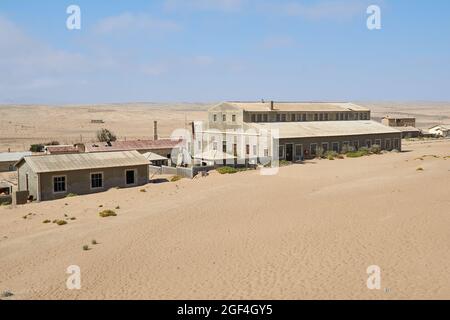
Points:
x=48, y=177
x=9, y=159
x=297, y=140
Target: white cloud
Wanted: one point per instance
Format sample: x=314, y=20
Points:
x=128, y=22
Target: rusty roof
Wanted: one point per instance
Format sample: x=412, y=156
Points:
x=139, y=145
x=61, y=149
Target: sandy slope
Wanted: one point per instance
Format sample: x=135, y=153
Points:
x=309, y=232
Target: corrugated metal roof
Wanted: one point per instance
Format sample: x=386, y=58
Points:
x=297, y=106
x=13, y=156
x=325, y=128
x=150, y=156
x=82, y=161
x=132, y=145
x=61, y=149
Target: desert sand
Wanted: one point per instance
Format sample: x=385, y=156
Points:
x=309, y=232
x=20, y=126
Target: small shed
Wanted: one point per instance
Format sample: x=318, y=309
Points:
x=440, y=130
x=49, y=177
x=156, y=159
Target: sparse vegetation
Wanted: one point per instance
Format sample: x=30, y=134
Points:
x=94, y=242
x=375, y=149
x=85, y=247
x=105, y=135
x=61, y=222
x=71, y=195
x=6, y=294
x=330, y=155
x=46, y=221
x=176, y=178
x=284, y=163
x=118, y=207
x=419, y=169
x=107, y=213
x=73, y=218
x=143, y=190
x=226, y=170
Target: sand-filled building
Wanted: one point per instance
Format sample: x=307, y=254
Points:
x=296, y=130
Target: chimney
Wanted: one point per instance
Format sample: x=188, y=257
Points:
x=155, y=130
x=271, y=105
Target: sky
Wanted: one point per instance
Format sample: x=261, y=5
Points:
x=216, y=50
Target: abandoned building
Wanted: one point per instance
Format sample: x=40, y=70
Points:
x=9, y=159
x=48, y=177
x=406, y=125
x=300, y=129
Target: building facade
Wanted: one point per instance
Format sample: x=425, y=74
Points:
x=296, y=130
x=50, y=177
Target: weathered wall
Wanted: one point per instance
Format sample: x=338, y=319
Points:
x=361, y=139
x=79, y=182
x=22, y=172
x=7, y=166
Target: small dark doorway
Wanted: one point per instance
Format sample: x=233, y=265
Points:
x=289, y=152
x=130, y=177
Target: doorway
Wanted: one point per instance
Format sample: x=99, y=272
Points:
x=289, y=152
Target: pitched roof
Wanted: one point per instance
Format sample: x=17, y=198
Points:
x=83, y=161
x=325, y=128
x=13, y=156
x=139, y=145
x=295, y=106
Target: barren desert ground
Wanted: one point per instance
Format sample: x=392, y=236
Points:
x=309, y=232
x=21, y=126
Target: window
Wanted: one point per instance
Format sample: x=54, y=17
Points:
x=368, y=143
x=378, y=142
x=335, y=146
x=283, y=118
x=396, y=144
x=321, y=117
x=292, y=117
x=313, y=149
x=325, y=147
x=346, y=116
x=224, y=146
x=281, y=152
x=224, y=117
x=304, y=117
x=215, y=117
x=356, y=144
x=253, y=117
x=96, y=180
x=278, y=117
x=266, y=152
x=259, y=117
x=130, y=177
x=298, y=151
x=59, y=184
x=388, y=144
x=233, y=118
x=316, y=116
x=265, y=118
x=326, y=117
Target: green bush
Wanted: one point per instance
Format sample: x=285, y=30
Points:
x=375, y=149
x=227, y=170
x=107, y=213
x=71, y=195
x=105, y=135
x=330, y=155
x=284, y=163
x=37, y=147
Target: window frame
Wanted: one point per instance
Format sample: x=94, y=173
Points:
x=135, y=177
x=65, y=184
x=103, y=180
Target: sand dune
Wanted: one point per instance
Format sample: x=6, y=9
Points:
x=309, y=232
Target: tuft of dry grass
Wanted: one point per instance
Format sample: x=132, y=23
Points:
x=85, y=247
x=61, y=222
x=46, y=221
x=107, y=213
x=419, y=169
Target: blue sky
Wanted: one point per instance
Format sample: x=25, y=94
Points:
x=212, y=50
